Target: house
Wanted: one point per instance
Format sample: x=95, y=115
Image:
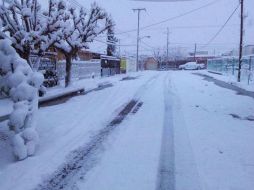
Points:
x=83, y=55
x=150, y=63
x=200, y=57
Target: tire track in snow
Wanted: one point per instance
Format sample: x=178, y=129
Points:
x=82, y=160
x=166, y=173
x=85, y=158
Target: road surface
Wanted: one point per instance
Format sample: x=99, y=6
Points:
x=158, y=131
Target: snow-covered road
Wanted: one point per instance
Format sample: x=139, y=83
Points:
x=177, y=134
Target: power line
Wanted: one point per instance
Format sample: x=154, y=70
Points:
x=171, y=18
x=148, y=45
x=108, y=43
x=191, y=43
x=223, y=26
x=189, y=27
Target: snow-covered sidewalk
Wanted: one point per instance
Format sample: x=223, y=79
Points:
x=230, y=79
x=58, y=91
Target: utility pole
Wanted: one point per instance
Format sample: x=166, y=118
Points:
x=119, y=47
x=241, y=42
x=195, y=51
x=167, y=47
x=138, y=10
x=167, y=41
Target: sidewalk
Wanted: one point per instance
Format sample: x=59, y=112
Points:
x=230, y=79
x=223, y=84
x=60, y=94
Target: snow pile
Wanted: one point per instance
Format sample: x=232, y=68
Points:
x=19, y=82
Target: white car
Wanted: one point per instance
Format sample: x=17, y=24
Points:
x=192, y=66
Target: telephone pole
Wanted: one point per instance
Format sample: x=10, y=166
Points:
x=138, y=10
x=167, y=42
x=167, y=62
x=195, y=52
x=241, y=42
x=119, y=50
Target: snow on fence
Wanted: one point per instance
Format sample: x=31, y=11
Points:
x=80, y=69
x=229, y=66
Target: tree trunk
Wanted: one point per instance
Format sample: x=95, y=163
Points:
x=68, y=59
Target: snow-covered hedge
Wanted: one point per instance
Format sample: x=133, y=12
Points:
x=20, y=83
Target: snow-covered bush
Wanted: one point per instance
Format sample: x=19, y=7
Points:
x=21, y=84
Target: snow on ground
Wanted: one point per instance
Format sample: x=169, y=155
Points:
x=231, y=79
x=63, y=128
x=211, y=148
x=222, y=145
x=132, y=158
x=87, y=84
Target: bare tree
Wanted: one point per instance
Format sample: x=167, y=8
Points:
x=79, y=28
x=111, y=39
x=160, y=56
x=29, y=30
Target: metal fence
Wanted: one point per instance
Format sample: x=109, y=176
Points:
x=230, y=66
x=80, y=69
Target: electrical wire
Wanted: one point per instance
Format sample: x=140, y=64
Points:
x=108, y=43
x=222, y=27
x=147, y=45
x=160, y=22
x=172, y=18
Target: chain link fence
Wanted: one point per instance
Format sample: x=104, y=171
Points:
x=230, y=66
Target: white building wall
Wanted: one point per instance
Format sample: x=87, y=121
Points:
x=131, y=65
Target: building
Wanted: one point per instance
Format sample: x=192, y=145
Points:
x=83, y=55
x=200, y=57
x=128, y=64
x=110, y=65
x=248, y=50
x=150, y=63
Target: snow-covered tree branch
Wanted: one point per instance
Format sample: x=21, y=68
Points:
x=79, y=28
x=26, y=30
x=30, y=30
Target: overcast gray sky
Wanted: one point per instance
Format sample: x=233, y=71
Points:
x=198, y=27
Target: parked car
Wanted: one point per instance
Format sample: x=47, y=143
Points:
x=192, y=66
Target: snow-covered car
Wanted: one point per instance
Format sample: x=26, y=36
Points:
x=191, y=66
